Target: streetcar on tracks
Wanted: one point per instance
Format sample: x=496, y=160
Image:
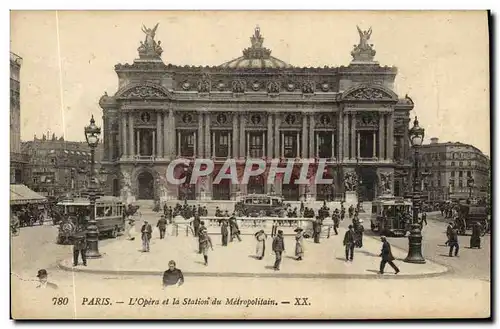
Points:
x=261, y=205
x=109, y=214
x=390, y=216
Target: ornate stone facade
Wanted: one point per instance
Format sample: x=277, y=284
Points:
x=255, y=106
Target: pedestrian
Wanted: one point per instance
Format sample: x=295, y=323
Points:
x=224, y=231
x=205, y=243
x=475, y=238
x=173, y=276
x=196, y=224
x=274, y=228
x=43, y=279
x=387, y=256
x=342, y=213
x=146, y=231
x=200, y=230
x=80, y=248
x=424, y=218
x=234, y=230
x=299, y=243
x=349, y=240
x=336, y=221
x=278, y=249
x=261, y=244
x=317, y=229
x=130, y=226
x=453, y=242
x=162, y=226
x=449, y=228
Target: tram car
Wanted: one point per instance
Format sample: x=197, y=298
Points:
x=108, y=211
x=390, y=216
x=261, y=205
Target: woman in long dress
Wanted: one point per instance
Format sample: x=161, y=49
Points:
x=299, y=243
x=261, y=244
x=475, y=239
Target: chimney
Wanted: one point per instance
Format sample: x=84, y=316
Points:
x=434, y=140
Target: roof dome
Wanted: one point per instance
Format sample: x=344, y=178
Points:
x=256, y=57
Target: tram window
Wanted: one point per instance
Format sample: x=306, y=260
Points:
x=249, y=201
x=100, y=212
x=374, y=209
x=267, y=201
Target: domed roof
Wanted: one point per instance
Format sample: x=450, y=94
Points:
x=256, y=57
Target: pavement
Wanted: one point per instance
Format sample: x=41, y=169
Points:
x=324, y=260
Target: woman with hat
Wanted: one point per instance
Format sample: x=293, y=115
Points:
x=261, y=244
x=299, y=243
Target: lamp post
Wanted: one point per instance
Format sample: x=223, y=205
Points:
x=416, y=135
x=470, y=185
x=92, y=133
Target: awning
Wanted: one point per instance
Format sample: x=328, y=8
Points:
x=21, y=194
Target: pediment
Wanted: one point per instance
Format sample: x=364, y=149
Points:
x=144, y=91
x=369, y=93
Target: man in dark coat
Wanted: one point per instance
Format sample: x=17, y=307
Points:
x=317, y=229
x=80, y=248
x=146, y=231
x=475, y=238
x=336, y=221
x=43, y=280
x=349, y=240
x=196, y=225
x=342, y=213
x=234, y=230
x=200, y=229
x=162, y=226
x=453, y=242
x=448, y=233
x=387, y=256
x=278, y=248
x=224, y=231
x=173, y=276
x=424, y=218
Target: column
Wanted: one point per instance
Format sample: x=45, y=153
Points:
x=248, y=145
x=358, y=145
x=264, y=144
x=138, y=141
x=316, y=148
x=345, y=136
x=199, y=135
x=242, y=152
x=178, y=151
x=213, y=145
x=340, y=129
x=195, y=135
x=166, y=132
x=171, y=128
x=406, y=141
x=333, y=144
x=277, y=136
x=390, y=139
x=282, y=143
x=269, y=136
x=154, y=144
x=235, y=136
x=122, y=136
x=131, y=134
x=305, y=153
x=159, y=152
x=206, y=144
x=381, y=137
x=353, y=136
x=312, y=148
x=374, y=144
x=230, y=146
x=298, y=144
x=110, y=140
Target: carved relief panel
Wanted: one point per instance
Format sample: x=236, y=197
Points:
x=222, y=119
x=256, y=120
x=367, y=120
x=291, y=120
x=325, y=120
x=145, y=118
x=187, y=119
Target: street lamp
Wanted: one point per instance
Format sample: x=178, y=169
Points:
x=416, y=135
x=92, y=133
x=470, y=185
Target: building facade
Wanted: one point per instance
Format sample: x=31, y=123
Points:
x=255, y=106
x=18, y=160
x=57, y=167
x=447, y=167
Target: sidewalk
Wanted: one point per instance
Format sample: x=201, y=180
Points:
x=324, y=260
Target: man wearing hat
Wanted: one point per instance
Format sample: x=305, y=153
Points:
x=387, y=256
x=146, y=231
x=173, y=276
x=80, y=247
x=162, y=226
x=349, y=240
x=336, y=221
x=278, y=248
x=43, y=279
x=317, y=229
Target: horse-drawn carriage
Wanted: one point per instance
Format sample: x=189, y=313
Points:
x=468, y=215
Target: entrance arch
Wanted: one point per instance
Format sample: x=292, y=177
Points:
x=145, y=184
x=290, y=190
x=368, y=181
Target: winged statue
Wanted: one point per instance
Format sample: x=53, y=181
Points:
x=364, y=36
x=150, y=36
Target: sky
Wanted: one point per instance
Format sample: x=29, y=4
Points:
x=69, y=57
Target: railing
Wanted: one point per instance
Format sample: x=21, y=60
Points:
x=247, y=222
